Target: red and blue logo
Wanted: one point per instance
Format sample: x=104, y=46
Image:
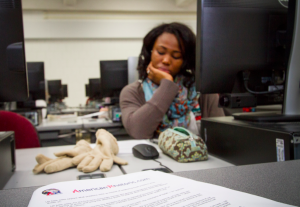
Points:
x=51, y=191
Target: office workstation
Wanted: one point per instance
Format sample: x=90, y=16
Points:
x=246, y=178
x=257, y=156
x=25, y=160
x=255, y=179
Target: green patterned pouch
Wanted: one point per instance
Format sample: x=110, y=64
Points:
x=182, y=145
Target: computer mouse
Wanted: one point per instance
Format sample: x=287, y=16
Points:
x=145, y=151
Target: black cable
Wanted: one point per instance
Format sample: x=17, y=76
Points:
x=163, y=165
x=122, y=169
x=153, y=140
x=246, y=75
x=262, y=92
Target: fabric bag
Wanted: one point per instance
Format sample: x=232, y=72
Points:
x=182, y=145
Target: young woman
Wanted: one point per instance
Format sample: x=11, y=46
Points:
x=165, y=95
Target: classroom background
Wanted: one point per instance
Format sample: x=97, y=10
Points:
x=72, y=36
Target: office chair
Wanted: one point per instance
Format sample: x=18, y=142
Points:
x=26, y=135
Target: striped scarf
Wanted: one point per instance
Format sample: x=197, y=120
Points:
x=178, y=113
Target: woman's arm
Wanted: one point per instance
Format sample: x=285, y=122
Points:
x=141, y=118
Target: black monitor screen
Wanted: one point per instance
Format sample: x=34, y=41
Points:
x=250, y=48
x=36, y=80
x=242, y=40
x=64, y=91
x=55, y=90
x=114, y=76
x=87, y=90
x=13, y=75
x=94, y=88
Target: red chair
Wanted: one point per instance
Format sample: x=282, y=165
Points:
x=26, y=135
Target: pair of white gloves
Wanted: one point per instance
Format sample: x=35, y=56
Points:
x=83, y=156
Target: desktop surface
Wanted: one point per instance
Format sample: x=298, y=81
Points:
x=279, y=181
x=136, y=164
x=25, y=162
x=48, y=125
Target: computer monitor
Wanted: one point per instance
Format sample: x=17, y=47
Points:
x=13, y=72
x=36, y=80
x=64, y=91
x=54, y=90
x=87, y=90
x=36, y=83
x=94, y=89
x=243, y=48
x=114, y=77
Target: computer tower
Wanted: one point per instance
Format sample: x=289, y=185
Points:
x=245, y=142
x=7, y=154
x=115, y=113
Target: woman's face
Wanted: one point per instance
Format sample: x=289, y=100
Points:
x=166, y=54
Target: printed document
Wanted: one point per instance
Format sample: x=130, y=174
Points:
x=143, y=189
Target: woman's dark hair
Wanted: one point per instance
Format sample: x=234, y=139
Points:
x=187, y=43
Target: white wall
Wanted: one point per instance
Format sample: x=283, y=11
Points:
x=72, y=40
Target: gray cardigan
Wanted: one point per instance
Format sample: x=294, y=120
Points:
x=141, y=118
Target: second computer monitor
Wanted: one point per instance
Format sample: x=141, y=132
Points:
x=64, y=91
x=114, y=77
x=55, y=90
x=241, y=48
x=36, y=80
x=93, y=89
x=87, y=90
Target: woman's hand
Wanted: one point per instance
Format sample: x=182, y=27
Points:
x=156, y=75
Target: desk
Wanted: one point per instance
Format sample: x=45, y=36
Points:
x=79, y=123
x=279, y=181
x=25, y=162
x=115, y=128
x=50, y=130
x=71, y=110
x=100, y=123
x=137, y=165
x=47, y=125
x=80, y=111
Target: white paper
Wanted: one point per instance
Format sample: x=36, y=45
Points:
x=143, y=189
